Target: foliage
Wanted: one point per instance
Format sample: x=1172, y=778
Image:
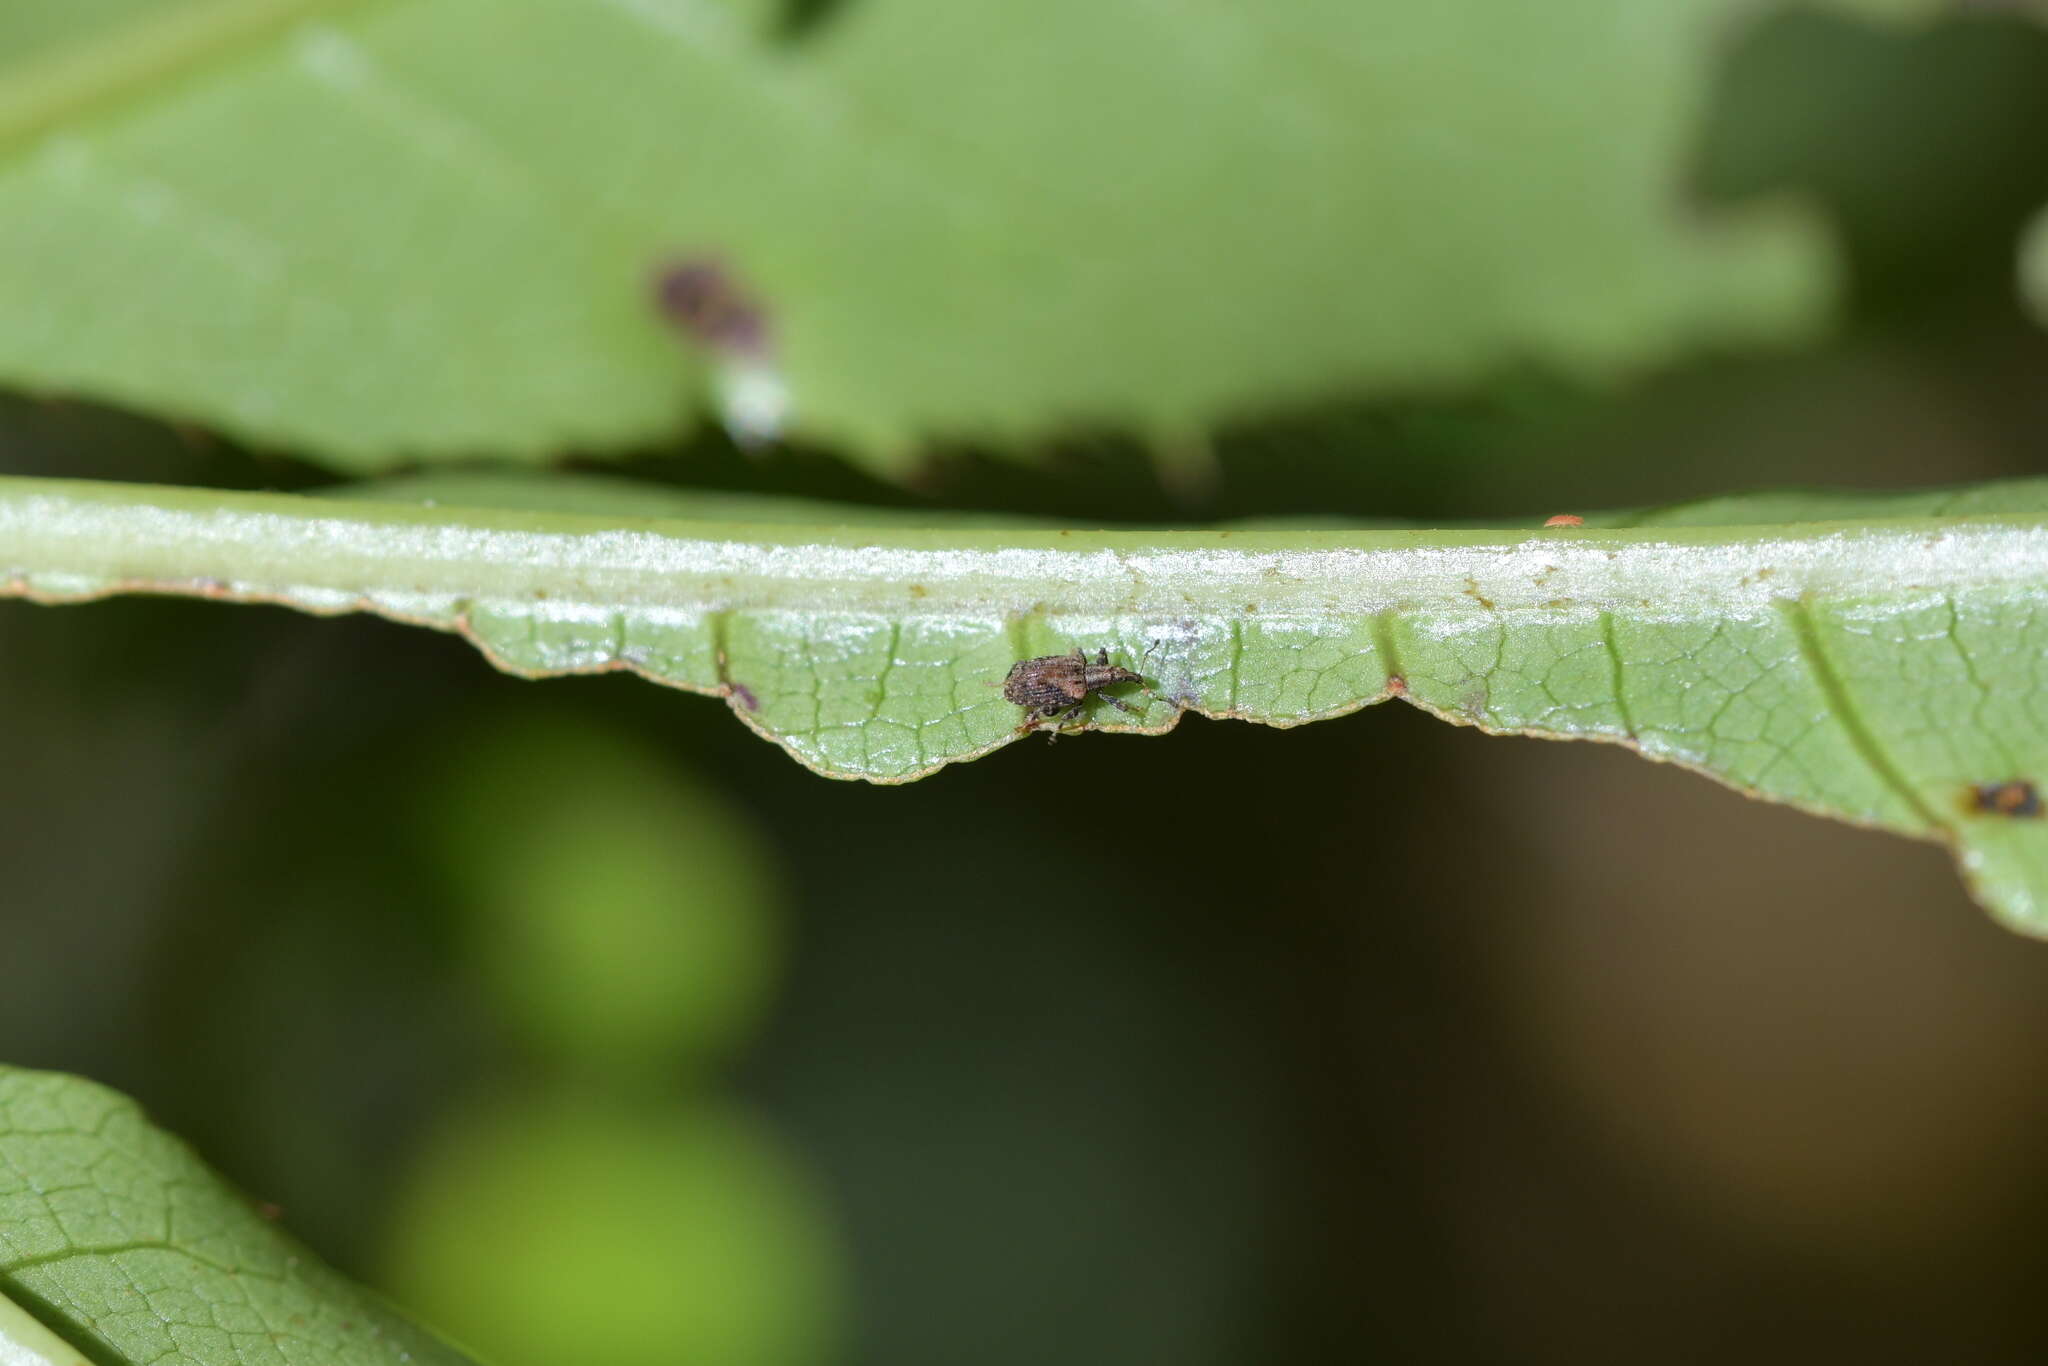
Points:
x=1880, y=669
x=421, y=232
x=354, y=232
x=114, y=1237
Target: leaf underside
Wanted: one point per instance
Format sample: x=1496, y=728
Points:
x=369, y=233
x=115, y=1239
x=1874, y=658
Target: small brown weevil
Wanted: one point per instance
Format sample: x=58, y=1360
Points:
x=1054, y=687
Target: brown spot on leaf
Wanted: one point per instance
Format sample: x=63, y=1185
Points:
x=703, y=298
x=738, y=691
x=2014, y=797
x=1397, y=686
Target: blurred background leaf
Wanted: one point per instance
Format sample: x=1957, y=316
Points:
x=371, y=236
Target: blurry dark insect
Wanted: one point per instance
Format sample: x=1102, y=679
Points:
x=707, y=303
x=2014, y=797
x=702, y=298
x=1054, y=687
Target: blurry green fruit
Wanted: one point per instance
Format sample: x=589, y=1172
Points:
x=620, y=911
x=545, y=1232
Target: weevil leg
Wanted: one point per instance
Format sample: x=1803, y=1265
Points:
x=1058, y=720
x=1120, y=705
x=1039, y=720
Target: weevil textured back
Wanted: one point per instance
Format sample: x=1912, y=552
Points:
x=1053, y=687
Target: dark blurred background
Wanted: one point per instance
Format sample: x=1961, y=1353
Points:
x=1375, y=1040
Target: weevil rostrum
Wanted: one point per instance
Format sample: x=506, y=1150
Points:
x=1054, y=687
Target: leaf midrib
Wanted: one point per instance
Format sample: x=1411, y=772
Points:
x=118, y=537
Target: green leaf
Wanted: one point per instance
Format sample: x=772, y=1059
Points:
x=117, y=1241
x=428, y=228
x=1874, y=658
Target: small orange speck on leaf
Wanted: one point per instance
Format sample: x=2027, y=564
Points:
x=2013, y=797
x=1564, y=519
